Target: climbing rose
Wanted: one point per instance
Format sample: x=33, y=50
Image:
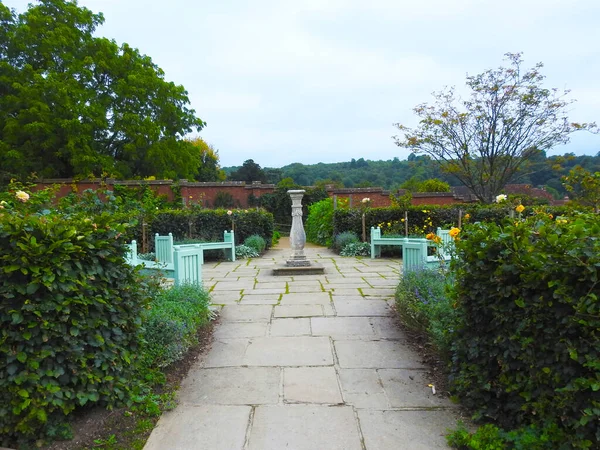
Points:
x=454, y=232
x=22, y=196
x=500, y=198
x=520, y=209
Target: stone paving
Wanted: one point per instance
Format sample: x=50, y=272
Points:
x=310, y=362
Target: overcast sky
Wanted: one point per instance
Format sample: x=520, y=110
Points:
x=282, y=81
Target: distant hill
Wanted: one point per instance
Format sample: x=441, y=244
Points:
x=392, y=173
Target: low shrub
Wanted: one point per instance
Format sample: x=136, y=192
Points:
x=275, y=238
x=256, y=242
x=343, y=239
x=356, y=249
x=319, y=223
x=424, y=305
x=244, y=252
x=171, y=324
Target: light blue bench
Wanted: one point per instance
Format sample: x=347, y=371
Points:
x=414, y=250
x=163, y=246
x=185, y=267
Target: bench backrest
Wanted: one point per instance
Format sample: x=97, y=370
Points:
x=228, y=236
x=414, y=254
x=163, y=248
x=375, y=233
x=447, y=245
x=187, y=263
x=131, y=255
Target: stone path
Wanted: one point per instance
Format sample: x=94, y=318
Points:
x=306, y=363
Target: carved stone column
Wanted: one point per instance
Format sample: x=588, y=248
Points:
x=297, y=234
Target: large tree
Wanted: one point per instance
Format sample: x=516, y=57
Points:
x=249, y=172
x=72, y=104
x=485, y=140
x=209, y=169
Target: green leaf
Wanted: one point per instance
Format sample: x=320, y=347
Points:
x=520, y=303
x=23, y=393
x=22, y=356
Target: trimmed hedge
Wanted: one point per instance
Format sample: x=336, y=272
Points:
x=528, y=349
x=70, y=314
x=209, y=225
x=423, y=219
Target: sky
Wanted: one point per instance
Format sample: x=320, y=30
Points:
x=282, y=81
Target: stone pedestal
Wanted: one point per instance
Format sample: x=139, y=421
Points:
x=297, y=234
x=297, y=264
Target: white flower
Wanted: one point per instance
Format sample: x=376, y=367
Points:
x=366, y=199
x=229, y=212
x=500, y=198
x=22, y=196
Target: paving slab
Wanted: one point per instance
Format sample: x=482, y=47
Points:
x=347, y=291
x=289, y=351
x=353, y=354
x=305, y=288
x=233, y=330
x=387, y=328
x=246, y=313
x=270, y=285
x=390, y=283
x=297, y=310
x=410, y=389
x=290, y=327
x=304, y=427
x=362, y=307
x=233, y=286
x=405, y=430
x=379, y=292
x=342, y=327
x=317, y=297
x=311, y=385
x=355, y=296
x=226, y=353
x=264, y=291
x=362, y=388
x=266, y=299
x=231, y=386
x=225, y=298
x=204, y=427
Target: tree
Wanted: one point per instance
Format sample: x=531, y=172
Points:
x=209, y=169
x=249, y=172
x=72, y=104
x=485, y=140
x=584, y=187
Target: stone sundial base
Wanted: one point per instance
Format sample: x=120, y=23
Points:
x=289, y=270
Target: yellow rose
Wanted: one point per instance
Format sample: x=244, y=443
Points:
x=22, y=196
x=467, y=216
x=520, y=209
x=454, y=232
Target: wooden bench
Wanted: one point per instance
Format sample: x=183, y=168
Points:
x=377, y=241
x=186, y=265
x=163, y=246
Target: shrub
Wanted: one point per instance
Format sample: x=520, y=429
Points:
x=224, y=199
x=424, y=306
x=70, y=312
x=275, y=239
x=527, y=350
x=243, y=252
x=171, y=324
x=256, y=242
x=343, y=239
x=356, y=249
x=319, y=223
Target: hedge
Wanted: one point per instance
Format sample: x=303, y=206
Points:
x=528, y=349
x=423, y=219
x=70, y=316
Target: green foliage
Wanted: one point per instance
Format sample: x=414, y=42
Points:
x=256, y=242
x=76, y=104
x=319, y=223
x=171, y=324
x=249, y=172
x=209, y=225
x=276, y=237
x=423, y=305
x=501, y=128
x=245, y=252
x=527, y=348
x=70, y=314
x=224, y=199
x=343, y=239
x=413, y=184
x=356, y=249
x=584, y=187
x=280, y=205
x=209, y=169
x=489, y=437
